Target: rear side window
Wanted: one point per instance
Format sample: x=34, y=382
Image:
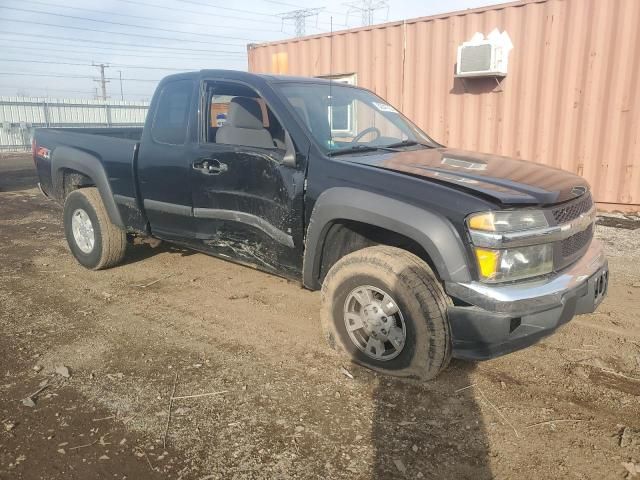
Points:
x=172, y=115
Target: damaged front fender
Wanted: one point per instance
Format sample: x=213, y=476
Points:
x=434, y=233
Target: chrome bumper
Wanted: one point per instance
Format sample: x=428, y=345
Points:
x=519, y=299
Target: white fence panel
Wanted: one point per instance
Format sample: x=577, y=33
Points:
x=20, y=115
x=133, y=114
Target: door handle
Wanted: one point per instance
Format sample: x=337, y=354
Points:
x=211, y=166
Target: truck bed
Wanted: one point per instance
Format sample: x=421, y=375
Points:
x=114, y=147
x=129, y=133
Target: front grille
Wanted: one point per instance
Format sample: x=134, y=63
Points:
x=576, y=242
x=573, y=210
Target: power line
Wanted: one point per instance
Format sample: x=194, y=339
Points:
x=54, y=75
x=89, y=92
x=324, y=10
x=66, y=62
x=367, y=8
x=44, y=88
x=142, y=54
x=45, y=61
x=299, y=18
x=121, y=24
x=216, y=15
x=93, y=65
x=163, y=47
x=147, y=94
x=128, y=15
x=147, y=55
x=43, y=74
x=95, y=30
x=228, y=8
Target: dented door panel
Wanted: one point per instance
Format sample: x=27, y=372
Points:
x=249, y=208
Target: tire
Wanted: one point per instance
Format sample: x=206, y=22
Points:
x=109, y=242
x=421, y=306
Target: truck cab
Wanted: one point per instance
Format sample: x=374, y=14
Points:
x=234, y=186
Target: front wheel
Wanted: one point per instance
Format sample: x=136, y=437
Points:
x=93, y=239
x=384, y=308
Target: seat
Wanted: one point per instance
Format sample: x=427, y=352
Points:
x=244, y=125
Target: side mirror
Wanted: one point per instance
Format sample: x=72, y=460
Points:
x=290, y=157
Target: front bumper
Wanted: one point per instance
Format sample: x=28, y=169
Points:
x=503, y=318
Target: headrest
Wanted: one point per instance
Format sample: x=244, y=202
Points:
x=245, y=112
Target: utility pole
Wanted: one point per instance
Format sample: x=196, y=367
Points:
x=367, y=8
x=121, y=94
x=102, y=80
x=299, y=18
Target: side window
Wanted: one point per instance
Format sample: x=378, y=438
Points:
x=237, y=115
x=172, y=116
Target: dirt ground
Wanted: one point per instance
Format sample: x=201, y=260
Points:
x=169, y=319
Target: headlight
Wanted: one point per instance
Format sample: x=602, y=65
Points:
x=509, y=245
x=514, y=263
x=507, y=221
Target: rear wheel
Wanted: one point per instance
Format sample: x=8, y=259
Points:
x=93, y=239
x=385, y=309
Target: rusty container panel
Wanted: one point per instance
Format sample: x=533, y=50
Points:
x=571, y=98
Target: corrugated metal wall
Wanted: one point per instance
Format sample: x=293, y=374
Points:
x=571, y=98
x=20, y=115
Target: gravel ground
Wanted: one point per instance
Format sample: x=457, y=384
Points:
x=281, y=406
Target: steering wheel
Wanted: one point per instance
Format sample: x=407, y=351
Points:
x=365, y=132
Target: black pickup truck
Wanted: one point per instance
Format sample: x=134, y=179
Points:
x=421, y=252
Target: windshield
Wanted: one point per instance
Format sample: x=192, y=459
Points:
x=350, y=118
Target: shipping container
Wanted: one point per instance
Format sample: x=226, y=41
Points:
x=570, y=99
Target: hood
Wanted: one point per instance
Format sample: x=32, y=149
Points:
x=507, y=180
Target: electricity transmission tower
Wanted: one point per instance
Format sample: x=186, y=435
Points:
x=299, y=18
x=367, y=8
x=103, y=81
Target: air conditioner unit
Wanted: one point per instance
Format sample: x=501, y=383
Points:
x=483, y=58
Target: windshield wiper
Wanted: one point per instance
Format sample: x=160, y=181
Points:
x=360, y=148
x=408, y=143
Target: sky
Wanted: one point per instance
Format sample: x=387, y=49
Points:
x=49, y=46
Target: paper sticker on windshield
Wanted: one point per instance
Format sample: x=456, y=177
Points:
x=383, y=107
